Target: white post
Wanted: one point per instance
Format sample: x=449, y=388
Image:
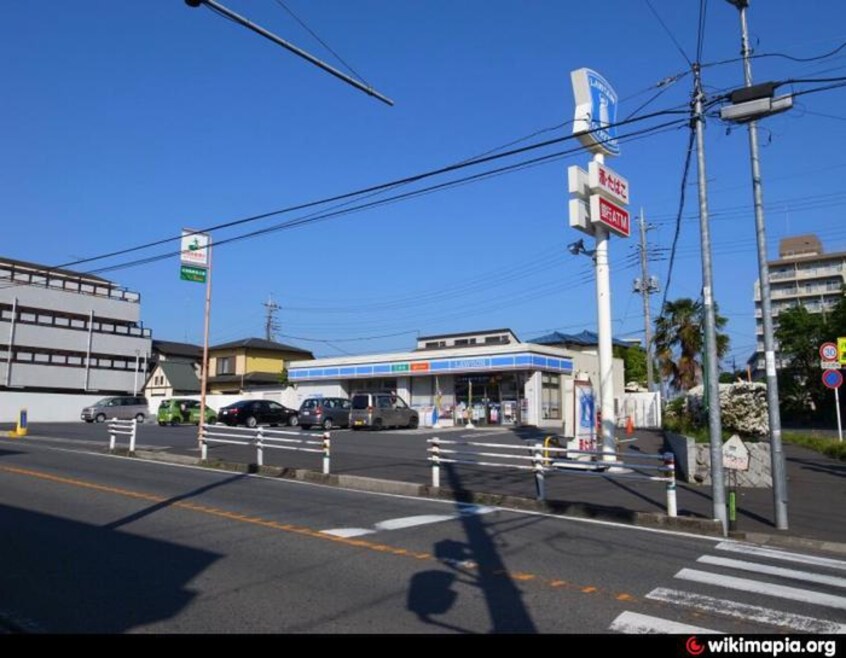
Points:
x=540, y=485
x=111, y=437
x=326, y=450
x=837, y=404
x=670, y=467
x=436, y=462
x=259, y=447
x=132, y=436
x=204, y=447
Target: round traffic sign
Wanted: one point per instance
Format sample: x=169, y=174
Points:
x=832, y=378
x=828, y=352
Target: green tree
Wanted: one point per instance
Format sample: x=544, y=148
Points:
x=799, y=335
x=679, y=341
x=634, y=363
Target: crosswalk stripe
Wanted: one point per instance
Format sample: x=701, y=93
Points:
x=761, y=551
x=634, y=623
x=756, y=567
x=758, y=587
x=746, y=612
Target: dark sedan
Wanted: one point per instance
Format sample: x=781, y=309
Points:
x=257, y=412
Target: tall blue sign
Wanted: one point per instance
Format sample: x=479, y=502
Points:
x=596, y=112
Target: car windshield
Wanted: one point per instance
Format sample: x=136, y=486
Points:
x=164, y=404
x=103, y=403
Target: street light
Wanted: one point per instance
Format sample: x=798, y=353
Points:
x=748, y=104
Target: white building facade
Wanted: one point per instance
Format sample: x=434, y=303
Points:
x=67, y=332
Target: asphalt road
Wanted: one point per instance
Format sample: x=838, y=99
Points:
x=104, y=544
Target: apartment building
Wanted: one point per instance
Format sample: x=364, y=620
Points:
x=803, y=275
x=68, y=332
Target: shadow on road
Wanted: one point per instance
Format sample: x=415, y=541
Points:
x=64, y=576
x=475, y=562
x=820, y=466
x=140, y=514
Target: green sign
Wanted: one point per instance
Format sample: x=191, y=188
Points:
x=190, y=273
x=399, y=367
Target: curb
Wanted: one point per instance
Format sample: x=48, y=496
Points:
x=707, y=527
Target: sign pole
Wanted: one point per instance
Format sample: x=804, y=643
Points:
x=205, y=368
x=837, y=404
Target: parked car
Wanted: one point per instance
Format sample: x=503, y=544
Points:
x=123, y=407
x=381, y=410
x=325, y=412
x=174, y=411
x=257, y=412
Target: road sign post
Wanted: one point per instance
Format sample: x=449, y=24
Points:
x=833, y=379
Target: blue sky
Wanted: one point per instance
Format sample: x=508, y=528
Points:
x=124, y=122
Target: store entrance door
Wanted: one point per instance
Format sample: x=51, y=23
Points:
x=489, y=399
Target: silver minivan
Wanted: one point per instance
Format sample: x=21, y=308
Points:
x=125, y=407
x=381, y=410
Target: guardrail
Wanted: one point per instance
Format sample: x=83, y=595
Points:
x=122, y=427
x=545, y=459
x=261, y=438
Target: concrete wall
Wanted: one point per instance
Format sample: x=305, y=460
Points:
x=693, y=463
x=44, y=407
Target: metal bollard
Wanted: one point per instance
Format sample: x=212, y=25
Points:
x=132, y=436
x=204, y=447
x=326, y=450
x=436, y=462
x=670, y=468
x=259, y=447
x=540, y=484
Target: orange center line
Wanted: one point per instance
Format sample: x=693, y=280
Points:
x=520, y=576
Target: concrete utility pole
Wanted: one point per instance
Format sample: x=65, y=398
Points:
x=776, y=450
x=646, y=285
x=270, y=325
x=718, y=492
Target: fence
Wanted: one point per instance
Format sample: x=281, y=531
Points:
x=125, y=428
x=545, y=459
x=261, y=438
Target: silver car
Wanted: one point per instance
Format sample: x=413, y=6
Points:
x=125, y=407
x=381, y=410
x=325, y=413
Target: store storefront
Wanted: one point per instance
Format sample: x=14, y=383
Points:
x=505, y=384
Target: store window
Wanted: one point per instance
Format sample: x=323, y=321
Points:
x=551, y=396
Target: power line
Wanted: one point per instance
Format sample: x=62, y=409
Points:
x=322, y=42
x=700, y=32
x=669, y=32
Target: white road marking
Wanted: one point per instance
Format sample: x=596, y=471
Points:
x=758, y=587
x=348, y=532
x=761, y=551
x=747, y=612
x=410, y=521
x=756, y=567
x=633, y=623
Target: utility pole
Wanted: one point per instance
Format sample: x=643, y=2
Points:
x=718, y=492
x=646, y=285
x=776, y=450
x=270, y=324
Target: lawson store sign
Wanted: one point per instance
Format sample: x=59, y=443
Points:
x=520, y=361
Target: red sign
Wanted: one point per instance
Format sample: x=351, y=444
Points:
x=420, y=367
x=604, y=179
x=615, y=218
x=828, y=352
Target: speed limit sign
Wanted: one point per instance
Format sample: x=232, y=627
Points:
x=828, y=352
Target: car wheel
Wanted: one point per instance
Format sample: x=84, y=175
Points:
x=294, y=420
x=327, y=424
x=175, y=421
x=377, y=424
x=100, y=418
x=413, y=422
x=251, y=421
x=140, y=417
x=161, y=424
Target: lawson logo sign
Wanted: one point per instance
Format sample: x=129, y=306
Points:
x=596, y=112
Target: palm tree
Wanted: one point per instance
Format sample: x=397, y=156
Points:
x=679, y=341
